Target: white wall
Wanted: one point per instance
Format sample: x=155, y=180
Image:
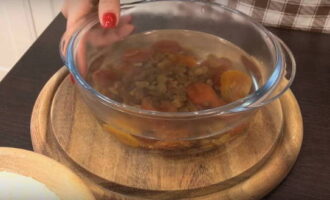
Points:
x=21, y=22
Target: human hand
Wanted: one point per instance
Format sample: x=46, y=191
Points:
x=108, y=32
x=108, y=11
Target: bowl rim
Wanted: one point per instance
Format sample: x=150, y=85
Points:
x=247, y=103
x=30, y=159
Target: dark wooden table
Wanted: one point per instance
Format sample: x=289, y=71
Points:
x=310, y=177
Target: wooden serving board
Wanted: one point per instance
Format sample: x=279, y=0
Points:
x=247, y=167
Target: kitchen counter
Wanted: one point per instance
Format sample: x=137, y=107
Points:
x=310, y=176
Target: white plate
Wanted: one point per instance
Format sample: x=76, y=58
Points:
x=55, y=176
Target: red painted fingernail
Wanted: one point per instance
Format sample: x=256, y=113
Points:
x=109, y=20
x=72, y=79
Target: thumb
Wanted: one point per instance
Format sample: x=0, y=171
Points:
x=109, y=13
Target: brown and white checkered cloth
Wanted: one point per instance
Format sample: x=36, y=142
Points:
x=307, y=15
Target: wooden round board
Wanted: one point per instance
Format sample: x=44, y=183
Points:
x=63, y=128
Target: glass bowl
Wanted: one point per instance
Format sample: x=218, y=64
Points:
x=272, y=70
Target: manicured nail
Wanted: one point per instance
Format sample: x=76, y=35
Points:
x=109, y=20
x=72, y=79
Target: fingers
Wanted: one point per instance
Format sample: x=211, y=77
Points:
x=76, y=10
x=109, y=13
x=125, y=31
x=64, y=9
x=125, y=20
x=101, y=37
x=81, y=58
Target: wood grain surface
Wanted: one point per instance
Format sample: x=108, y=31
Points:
x=110, y=166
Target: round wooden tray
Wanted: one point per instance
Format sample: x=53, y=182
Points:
x=63, y=128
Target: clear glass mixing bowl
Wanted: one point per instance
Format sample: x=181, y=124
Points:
x=170, y=131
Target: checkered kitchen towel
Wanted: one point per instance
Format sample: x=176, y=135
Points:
x=307, y=15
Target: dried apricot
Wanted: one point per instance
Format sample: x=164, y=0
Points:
x=171, y=145
x=217, y=66
x=166, y=106
x=104, y=77
x=203, y=95
x=213, y=61
x=147, y=104
x=189, y=61
x=136, y=55
x=234, y=84
x=122, y=136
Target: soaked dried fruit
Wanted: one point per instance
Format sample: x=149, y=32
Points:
x=203, y=95
x=165, y=76
x=122, y=136
x=104, y=77
x=137, y=55
x=234, y=84
x=189, y=61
